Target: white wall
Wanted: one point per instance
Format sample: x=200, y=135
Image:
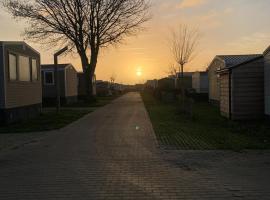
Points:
x=200, y=82
x=196, y=81
x=214, y=85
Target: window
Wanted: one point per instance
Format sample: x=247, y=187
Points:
x=12, y=67
x=34, y=70
x=48, y=78
x=24, y=68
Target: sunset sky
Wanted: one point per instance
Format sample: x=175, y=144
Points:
x=227, y=27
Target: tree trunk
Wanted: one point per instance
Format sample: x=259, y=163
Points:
x=182, y=81
x=89, y=76
x=88, y=84
x=182, y=71
x=88, y=80
x=89, y=72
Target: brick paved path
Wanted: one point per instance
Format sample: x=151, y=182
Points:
x=112, y=154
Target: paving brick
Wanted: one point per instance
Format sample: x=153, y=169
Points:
x=104, y=156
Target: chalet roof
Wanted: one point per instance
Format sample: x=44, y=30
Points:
x=266, y=51
x=2, y=43
x=235, y=60
x=52, y=65
x=60, y=66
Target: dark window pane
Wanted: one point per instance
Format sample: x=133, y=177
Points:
x=49, y=78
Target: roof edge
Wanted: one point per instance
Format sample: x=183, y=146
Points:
x=63, y=66
x=18, y=43
x=266, y=51
x=52, y=65
x=246, y=62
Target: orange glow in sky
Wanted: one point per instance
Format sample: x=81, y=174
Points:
x=139, y=72
x=227, y=27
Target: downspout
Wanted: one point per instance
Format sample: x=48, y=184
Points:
x=230, y=94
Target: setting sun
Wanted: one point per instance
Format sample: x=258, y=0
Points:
x=139, y=72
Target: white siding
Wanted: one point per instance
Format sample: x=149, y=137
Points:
x=267, y=83
x=214, y=85
x=71, y=82
x=196, y=81
x=200, y=82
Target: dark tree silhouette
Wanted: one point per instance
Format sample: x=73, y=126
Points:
x=85, y=25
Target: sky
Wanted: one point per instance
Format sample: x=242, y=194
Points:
x=226, y=27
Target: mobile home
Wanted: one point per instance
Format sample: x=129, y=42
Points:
x=242, y=87
x=200, y=82
x=103, y=88
x=68, y=82
x=20, y=82
x=153, y=84
x=267, y=81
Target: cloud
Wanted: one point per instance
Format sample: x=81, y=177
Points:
x=214, y=18
x=191, y=3
x=254, y=43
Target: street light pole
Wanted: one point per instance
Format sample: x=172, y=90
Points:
x=56, y=78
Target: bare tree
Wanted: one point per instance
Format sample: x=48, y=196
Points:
x=113, y=79
x=85, y=25
x=184, y=43
x=172, y=70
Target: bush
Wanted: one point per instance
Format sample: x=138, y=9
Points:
x=166, y=84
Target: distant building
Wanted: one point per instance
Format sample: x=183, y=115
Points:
x=139, y=87
x=82, y=85
x=103, y=88
x=200, y=82
x=267, y=81
x=166, y=84
x=68, y=82
x=186, y=80
x=117, y=88
x=20, y=82
x=152, y=84
x=179, y=75
x=241, y=79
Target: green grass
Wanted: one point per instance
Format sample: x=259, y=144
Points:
x=45, y=122
x=50, y=120
x=206, y=130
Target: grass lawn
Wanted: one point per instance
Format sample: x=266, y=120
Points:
x=206, y=130
x=50, y=120
x=45, y=122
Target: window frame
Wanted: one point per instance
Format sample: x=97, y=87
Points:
x=17, y=72
x=44, y=75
